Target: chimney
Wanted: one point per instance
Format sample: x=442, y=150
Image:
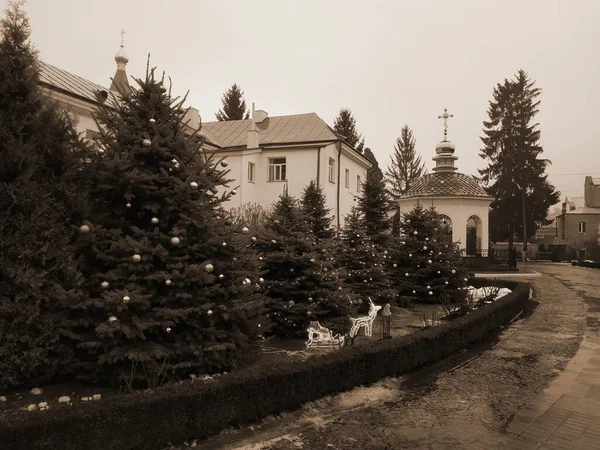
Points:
x=192, y=117
x=253, y=137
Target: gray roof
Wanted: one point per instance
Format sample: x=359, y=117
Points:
x=273, y=130
x=585, y=210
x=446, y=184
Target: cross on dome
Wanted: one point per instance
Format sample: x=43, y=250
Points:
x=122, y=33
x=445, y=116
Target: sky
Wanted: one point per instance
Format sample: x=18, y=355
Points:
x=391, y=62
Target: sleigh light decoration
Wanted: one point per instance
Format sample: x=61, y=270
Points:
x=322, y=337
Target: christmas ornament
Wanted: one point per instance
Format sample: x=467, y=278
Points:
x=414, y=292
x=208, y=268
x=224, y=163
x=224, y=244
x=112, y=319
x=146, y=142
x=194, y=185
x=273, y=241
x=136, y=258
x=276, y=221
x=245, y=230
x=312, y=260
x=261, y=280
x=175, y=240
x=152, y=120
x=428, y=261
x=465, y=280
x=233, y=192
x=426, y=239
x=395, y=265
x=126, y=299
x=453, y=271
x=292, y=269
x=84, y=228
x=168, y=329
x=221, y=276
x=155, y=220
x=428, y=287
x=128, y=205
x=403, y=243
x=407, y=220
x=247, y=281
x=439, y=272
x=291, y=303
x=209, y=312
x=415, y=233
x=445, y=282
x=430, y=293
x=410, y=255
x=253, y=239
x=105, y=284
x=406, y=274
x=168, y=282
x=424, y=247
x=310, y=299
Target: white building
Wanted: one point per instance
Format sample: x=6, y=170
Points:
x=263, y=153
x=459, y=197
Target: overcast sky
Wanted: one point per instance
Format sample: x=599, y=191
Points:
x=391, y=62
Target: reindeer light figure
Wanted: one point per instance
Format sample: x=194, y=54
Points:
x=365, y=321
x=322, y=337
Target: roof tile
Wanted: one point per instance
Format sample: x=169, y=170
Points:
x=446, y=183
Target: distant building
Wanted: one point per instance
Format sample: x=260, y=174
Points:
x=264, y=154
x=579, y=226
x=458, y=197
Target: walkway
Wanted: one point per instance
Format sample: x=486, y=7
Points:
x=566, y=415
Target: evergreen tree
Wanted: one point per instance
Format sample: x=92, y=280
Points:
x=374, y=206
x=171, y=280
x=371, y=157
x=512, y=149
x=345, y=124
x=313, y=204
x=364, y=262
x=405, y=165
x=234, y=105
x=424, y=262
x=41, y=192
x=301, y=280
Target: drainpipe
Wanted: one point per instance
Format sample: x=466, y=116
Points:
x=318, y=166
x=337, y=212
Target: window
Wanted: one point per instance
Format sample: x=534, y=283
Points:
x=92, y=136
x=582, y=227
x=347, y=178
x=331, y=170
x=358, y=183
x=251, y=170
x=277, y=169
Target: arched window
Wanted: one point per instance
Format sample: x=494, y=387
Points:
x=447, y=222
x=473, y=236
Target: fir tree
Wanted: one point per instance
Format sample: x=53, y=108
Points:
x=512, y=149
x=345, y=124
x=41, y=193
x=301, y=280
x=371, y=157
x=171, y=281
x=374, y=205
x=424, y=262
x=405, y=165
x=234, y=105
x=313, y=204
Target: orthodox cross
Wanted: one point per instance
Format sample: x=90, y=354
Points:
x=445, y=116
x=122, y=33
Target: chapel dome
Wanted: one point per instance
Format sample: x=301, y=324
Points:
x=446, y=184
x=121, y=56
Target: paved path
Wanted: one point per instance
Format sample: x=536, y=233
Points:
x=566, y=415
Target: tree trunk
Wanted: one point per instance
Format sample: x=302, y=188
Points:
x=524, y=212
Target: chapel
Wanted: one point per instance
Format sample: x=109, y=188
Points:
x=460, y=198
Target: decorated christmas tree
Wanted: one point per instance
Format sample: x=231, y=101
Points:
x=313, y=204
x=425, y=263
x=301, y=280
x=374, y=205
x=42, y=191
x=171, y=281
x=364, y=263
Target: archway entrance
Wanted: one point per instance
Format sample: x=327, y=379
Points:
x=473, y=236
x=447, y=223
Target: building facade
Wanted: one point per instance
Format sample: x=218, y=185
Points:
x=263, y=154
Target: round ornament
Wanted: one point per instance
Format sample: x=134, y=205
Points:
x=428, y=261
x=439, y=272
x=233, y=192
x=430, y=293
x=221, y=276
x=395, y=265
x=247, y=280
x=253, y=238
x=168, y=329
x=112, y=319
x=245, y=230
x=291, y=303
x=453, y=271
x=424, y=247
x=105, y=284
x=175, y=240
x=415, y=233
x=410, y=255
x=428, y=287
x=136, y=258
x=445, y=282
x=208, y=268
x=403, y=243
x=407, y=220
x=414, y=292
x=168, y=282
x=209, y=312
x=426, y=239
x=126, y=299
x=84, y=228
x=194, y=185
x=154, y=220
x=273, y=241
x=261, y=280
x=146, y=142
x=310, y=299
x=224, y=244
x=128, y=205
x=312, y=260
x=465, y=280
x=406, y=274
x=153, y=120
x=224, y=163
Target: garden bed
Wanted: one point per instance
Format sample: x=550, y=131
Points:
x=198, y=409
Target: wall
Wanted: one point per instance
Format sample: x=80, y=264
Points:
x=591, y=193
x=576, y=240
x=458, y=210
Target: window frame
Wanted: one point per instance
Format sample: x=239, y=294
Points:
x=331, y=166
x=251, y=172
x=358, y=183
x=581, y=227
x=347, y=179
x=275, y=167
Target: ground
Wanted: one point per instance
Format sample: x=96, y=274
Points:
x=466, y=401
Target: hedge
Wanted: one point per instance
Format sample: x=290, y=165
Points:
x=192, y=409
x=590, y=264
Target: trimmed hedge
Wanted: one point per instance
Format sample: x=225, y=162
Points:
x=176, y=413
x=590, y=264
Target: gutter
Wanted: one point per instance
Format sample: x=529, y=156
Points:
x=338, y=144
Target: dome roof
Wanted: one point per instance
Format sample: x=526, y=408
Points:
x=121, y=56
x=445, y=147
x=446, y=184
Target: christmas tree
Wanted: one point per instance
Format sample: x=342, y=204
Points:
x=314, y=208
x=364, y=263
x=425, y=263
x=234, y=105
x=41, y=193
x=301, y=280
x=171, y=281
x=374, y=205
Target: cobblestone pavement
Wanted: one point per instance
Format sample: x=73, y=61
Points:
x=466, y=401
x=566, y=415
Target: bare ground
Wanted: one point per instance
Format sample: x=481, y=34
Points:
x=463, y=402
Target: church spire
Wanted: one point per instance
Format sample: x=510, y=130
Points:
x=444, y=158
x=120, y=82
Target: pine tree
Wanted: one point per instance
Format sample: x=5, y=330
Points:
x=313, y=204
x=302, y=280
x=345, y=124
x=171, y=280
x=424, y=262
x=374, y=206
x=234, y=105
x=405, y=165
x=371, y=157
x=364, y=262
x=515, y=172
x=41, y=192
